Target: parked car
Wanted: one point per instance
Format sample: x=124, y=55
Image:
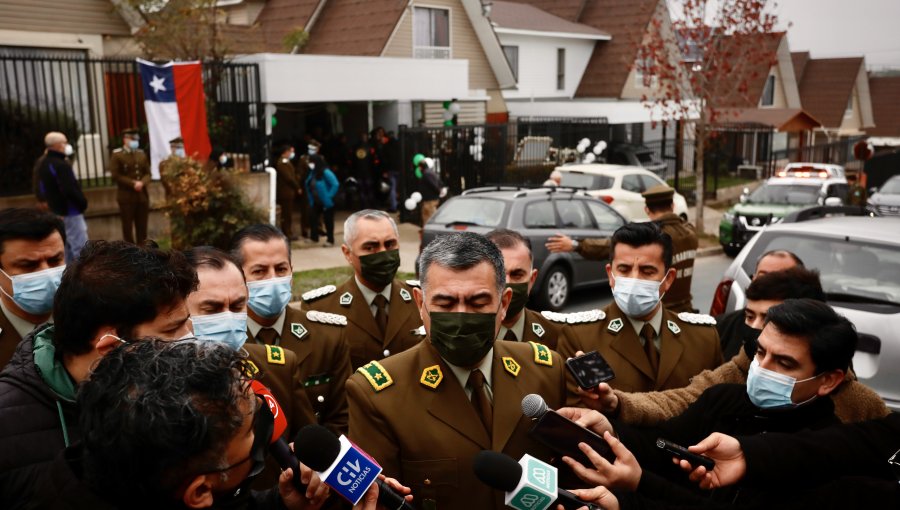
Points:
x=537, y=214
x=885, y=201
x=618, y=186
x=859, y=264
x=636, y=155
x=770, y=202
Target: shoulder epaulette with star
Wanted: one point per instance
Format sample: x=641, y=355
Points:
x=274, y=354
x=576, y=317
x=326, y=318
x=377, y=376
x=697, y=318
x=315, y=294
x=120, y=149
x=542, y=354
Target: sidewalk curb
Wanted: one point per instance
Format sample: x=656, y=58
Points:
x=710, y=251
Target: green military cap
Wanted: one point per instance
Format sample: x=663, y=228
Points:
x=130, y=132
x=659, y=195
x=175, y=141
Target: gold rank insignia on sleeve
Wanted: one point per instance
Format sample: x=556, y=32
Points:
x=275, y=355
x=252, y=369
x=542, y=354
x=511, y=366
x=432, y=376
x=377, y=376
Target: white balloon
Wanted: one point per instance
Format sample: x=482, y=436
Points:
x=600, y=147
x=454, y=108
x=447, y=115
x=590, y=158
x=410, y=204
x=584, y=141
x=429, y=162
x=416, y=197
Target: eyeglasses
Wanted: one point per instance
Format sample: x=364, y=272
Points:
x=894, y=461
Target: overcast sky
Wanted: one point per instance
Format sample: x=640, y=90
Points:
x=845, y=28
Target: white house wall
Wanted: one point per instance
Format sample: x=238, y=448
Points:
x=537, y=65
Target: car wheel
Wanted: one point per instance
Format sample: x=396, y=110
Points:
x=731, y=251
x=556, y=288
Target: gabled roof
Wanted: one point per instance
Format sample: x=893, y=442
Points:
x=743, y=89
x=780, y=119
x=354, y=27
x=885, y=92
x=281, y=17
x=826, y=85
x=800, y=58
x=611, y=62
x=511, y=17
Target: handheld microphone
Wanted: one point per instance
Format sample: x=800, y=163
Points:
x=561, y=434
x=278, y=447
x=344, y=467
x=529, y=484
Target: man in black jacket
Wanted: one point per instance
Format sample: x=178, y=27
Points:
x=113, y=293
x=57, y=185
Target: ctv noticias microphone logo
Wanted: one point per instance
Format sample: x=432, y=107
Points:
x=352, y=473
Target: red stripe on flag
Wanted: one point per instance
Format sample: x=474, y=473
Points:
x=192, y=110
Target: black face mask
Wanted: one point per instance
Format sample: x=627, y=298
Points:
x=461, y=338
x=519, y=298
x=380, y=268
x=749, y=337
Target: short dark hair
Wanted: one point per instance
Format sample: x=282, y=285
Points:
x=832, y=338
x=154, y=413
x=29, y=224
x=781, y=254
x=792, y=283
x=262, y=232
x=210, y=257
x=460, y=251
x=506, y=238
x=641, y=234
x=118, y=284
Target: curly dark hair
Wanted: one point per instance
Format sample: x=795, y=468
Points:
x=119, y=284
x=155, y=413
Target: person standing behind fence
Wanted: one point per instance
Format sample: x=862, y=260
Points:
x=431, y=189
x=287, y=187
x=321, y=187
x=57, y=185
x=129, y=166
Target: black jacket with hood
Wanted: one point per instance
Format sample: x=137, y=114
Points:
x=38, y=417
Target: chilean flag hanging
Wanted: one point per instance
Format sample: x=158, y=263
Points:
x=175, y=107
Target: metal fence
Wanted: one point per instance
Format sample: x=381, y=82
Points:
x=93, y=100
x=839, y=153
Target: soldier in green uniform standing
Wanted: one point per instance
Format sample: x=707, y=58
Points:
x=660, y=208
x=129, y=167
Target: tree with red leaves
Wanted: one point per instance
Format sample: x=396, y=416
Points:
x=720, y=54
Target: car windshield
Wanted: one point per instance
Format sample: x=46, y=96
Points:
x=849, y=269
x=484, y=212
x=586, y=181
x=799, y=194
x=891, y=186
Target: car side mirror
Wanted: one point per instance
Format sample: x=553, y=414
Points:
x=744, y=197
x=833, y=201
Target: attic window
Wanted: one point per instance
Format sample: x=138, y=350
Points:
x=768, y=95
x=431, y=33
x=848, y=112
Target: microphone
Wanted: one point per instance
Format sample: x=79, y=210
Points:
x=278, y=447
x=529, y=484
x=344, y=467
x=561, y=434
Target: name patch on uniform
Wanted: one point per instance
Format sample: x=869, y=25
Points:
x=673, y=327
x=275, y=355
x=615, y=325
x=377, y=376
x=298, y=330
x=432, y=376
x=538, y=329
x=346, y=299
x=511, y=366
x=404, y=294
x=542, y=354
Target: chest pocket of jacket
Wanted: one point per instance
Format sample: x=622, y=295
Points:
x=431, y=479
x=317, y=387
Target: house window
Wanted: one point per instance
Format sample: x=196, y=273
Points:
x=768, y=95
x=848, y=112
x=643, y=73
x=431, y=37
x=512, y=56
x=560, y=68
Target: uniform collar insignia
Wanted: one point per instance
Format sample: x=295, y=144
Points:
x=346, y=299
x=405, y=295
x=673, y=327
x=298, y=330
x=511, y=366
x=615, y=325
x=432, y=376
x=538, y=329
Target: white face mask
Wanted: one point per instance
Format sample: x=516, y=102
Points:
x=636, y=297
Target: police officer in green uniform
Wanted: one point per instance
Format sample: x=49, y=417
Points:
x=660, y=208
x=129, y=167
x=858, y=195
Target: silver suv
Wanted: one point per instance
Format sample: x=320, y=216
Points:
x=858, y=258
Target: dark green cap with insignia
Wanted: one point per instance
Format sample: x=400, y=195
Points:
x=130, y=132
x=659, y=195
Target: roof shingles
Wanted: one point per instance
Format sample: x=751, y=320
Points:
x=825, y=88
x=885, y=93
x=354, y=27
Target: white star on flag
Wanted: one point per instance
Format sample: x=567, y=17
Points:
x=158, y=83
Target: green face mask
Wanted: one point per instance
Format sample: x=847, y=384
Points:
x=462, y=338
x=380, y=268
x=519, y=298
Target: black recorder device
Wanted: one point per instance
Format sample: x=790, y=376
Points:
x=683, y=454
x=562, y=435
x=589, y=370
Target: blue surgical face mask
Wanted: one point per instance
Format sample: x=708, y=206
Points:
x=180, y=152
x=132, y=144
x=269, y=297
x=33, y=292
x=227, y=327
x=770, y=390
x=636, y=297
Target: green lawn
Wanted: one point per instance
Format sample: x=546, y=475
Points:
x=315, y=278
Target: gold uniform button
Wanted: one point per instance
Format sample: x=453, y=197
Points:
x=427, y=481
